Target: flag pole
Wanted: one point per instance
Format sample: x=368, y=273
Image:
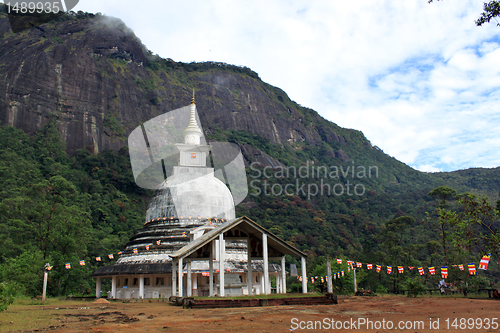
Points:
x=329, y=275
x=355, y=284
x=45, y=278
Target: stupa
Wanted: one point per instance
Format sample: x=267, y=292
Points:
x=184, y=207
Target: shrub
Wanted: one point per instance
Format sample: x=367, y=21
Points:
x=6, y=297
x=415, y=287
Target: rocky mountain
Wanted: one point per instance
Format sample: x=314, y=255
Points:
x=100, y=82
x=93, y=71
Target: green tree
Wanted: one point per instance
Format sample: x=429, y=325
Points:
x=475, y=223
x=442, y=195
x=491, y=10
x=6, y=297
x=24, y=272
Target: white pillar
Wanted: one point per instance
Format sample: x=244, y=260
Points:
x=262, y=285
x=283, y=275
x=249, y=268
x=44, y=288
x=354, y=278
x=180, y=277
x=97, y=288
x=211, y=270
x=329, y=275
x=222, y=250
x=113, y=287
x=174, y=277
x=278, y=284
x=189, y=280
x=304, y=275
x=141, y=286
x=195, y=284
x=267, y=282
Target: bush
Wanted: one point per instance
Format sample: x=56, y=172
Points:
x=415, y=287
x=6, y=297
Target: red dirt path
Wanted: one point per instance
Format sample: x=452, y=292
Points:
x=160, y=317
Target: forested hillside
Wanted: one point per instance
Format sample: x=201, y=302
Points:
x=59, y=209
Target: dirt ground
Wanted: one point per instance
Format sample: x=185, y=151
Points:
x=157, y=316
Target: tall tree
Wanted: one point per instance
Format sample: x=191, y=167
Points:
x=442, y=194
x=475, y=222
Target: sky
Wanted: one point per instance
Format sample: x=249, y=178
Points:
x=420, y=80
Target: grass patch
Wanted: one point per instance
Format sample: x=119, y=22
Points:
x=27, y=314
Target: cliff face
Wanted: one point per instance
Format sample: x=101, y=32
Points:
x=58, y=68
x=100, y=81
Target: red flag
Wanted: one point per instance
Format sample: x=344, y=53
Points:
x=339, y=261
x=369, y=266
x=483, y=264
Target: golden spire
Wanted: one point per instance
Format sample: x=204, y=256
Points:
x=192, y=100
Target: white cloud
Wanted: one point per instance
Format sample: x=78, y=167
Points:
x=420, y=80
